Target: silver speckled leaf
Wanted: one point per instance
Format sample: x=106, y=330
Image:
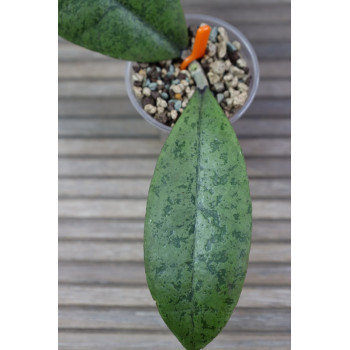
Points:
x=198, y=224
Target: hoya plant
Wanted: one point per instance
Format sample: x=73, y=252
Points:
x=199, y=214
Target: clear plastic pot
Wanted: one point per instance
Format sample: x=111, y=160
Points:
x=247, y=52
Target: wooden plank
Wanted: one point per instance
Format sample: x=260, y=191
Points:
x=115, y=69
x=135, y=208
x=107, y=127
x=68, y=340
x=254, y=297
x=122, y=107
x=116, y=88
x=127, y=188
x=98, y=127
x=242, y=320
x=114, y=147
x=133, y=251
x=79, y=167
x=88, y=272
x=109, y=69
x=85, y=229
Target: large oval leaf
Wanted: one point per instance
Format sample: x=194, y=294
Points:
x=198, y=224
x=128, y=29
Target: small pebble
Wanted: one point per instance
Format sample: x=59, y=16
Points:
x=211, y=49
x=150, y=109
x=173, y=114
x=177, y=88
x=222, y=49
x=241, y=63
x=177, y=105
x=219, y=87
x=137, y=91
x=237, y=44
x=239, y=100
x=231, y=47
x=137, y=77
x=218, y=67
x=213, y=78
x=164, y=95
x=147, y=100
x=160, y=110
x=229, y=101
x=223, y=34
x=213, y=34
x=178, y=96
x=242, y=87
x=146, y=91
x=175, y=82
x=143, y=73
x=152, y=86
x=161, y=103
x=219, y=97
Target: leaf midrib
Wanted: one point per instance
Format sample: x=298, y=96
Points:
x=199, y=158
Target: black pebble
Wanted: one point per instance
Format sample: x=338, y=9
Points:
x=136, y=67
x=182, y=76
x=162, y=117
x=148, y=100
x=155, y=94
x=246, y=70
x=233, y=56
x=138, y=83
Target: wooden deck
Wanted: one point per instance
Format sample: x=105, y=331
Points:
x=107, y=155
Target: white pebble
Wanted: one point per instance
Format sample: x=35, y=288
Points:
x=137, y=91
x=178, y=89
x=143, y=73
x=239, y=100
x=223, y=34
x=213, y=78
x=221, y=49
x=137, y=77
x=237, y=72
x=242, y=87
x=173, y=114
x=237, y=44
x=184, y=83
x=233, y=92
x=211, y=49
x=146, y=91
x=161, y=102
x=160, y=110
x=218, y=67
x=228, y=64
x=241, y=63
x=150, y=109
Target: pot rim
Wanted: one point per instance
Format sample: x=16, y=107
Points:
x=249, y=55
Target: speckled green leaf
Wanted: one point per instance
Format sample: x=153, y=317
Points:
x=198, y=224
x=127, y=29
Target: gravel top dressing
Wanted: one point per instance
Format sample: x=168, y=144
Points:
x=164, y=90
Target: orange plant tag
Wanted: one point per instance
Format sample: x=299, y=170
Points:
x=200, y=44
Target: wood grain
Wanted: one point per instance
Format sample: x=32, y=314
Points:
x=133, y=251
x=267, y=297
x=125, y=341
x=135, y=208
x=115, y=147
x=114, y=229
x=253, y=320
x=140, y=167
x=124, y=273
x=135, y=128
